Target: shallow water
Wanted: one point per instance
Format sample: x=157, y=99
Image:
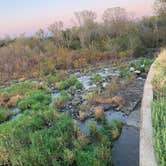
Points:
x=110, y=116
x=104, y=73
x=125, y=150
x=55, y=95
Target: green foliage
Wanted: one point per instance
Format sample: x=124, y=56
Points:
x=125, y=74
x=67, y=83
x=18, y=88
x=96, y=79
x=79, y=85
x=142, y=64
x=159, y=128
x=4, y=115
x=39, y=138
x=159, y=108
x=83, y=107
x=35, y=100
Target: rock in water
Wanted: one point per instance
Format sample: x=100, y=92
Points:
x=132, y=69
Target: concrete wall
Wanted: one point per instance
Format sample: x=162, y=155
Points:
x=147, y=155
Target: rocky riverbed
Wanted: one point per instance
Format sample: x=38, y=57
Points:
x=126, y=148
x=128, y=92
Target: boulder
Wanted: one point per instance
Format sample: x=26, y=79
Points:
x=137, y=72
x=132, y=69
x=76, y=101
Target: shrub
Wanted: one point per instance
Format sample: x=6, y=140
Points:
x=78, y=85
x=4, y=115
x=96, y=79
x=92, y=126
x=158, y=108
x=142, y=64
x=67, y=83
x=83, y=107
x=99, y=113
x=35, y=100
x=18, y=88
x=61, y=100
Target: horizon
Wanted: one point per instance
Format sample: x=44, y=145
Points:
x=29, y=16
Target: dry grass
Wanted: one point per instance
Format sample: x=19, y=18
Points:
x=115, y=101
x=99, y=113
x=159, y=81
x=82, y=116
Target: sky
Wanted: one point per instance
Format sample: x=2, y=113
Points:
x=17, y=16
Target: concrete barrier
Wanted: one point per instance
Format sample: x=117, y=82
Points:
x=147, y=155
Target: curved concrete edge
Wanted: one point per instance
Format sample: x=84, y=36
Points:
x=147, y=155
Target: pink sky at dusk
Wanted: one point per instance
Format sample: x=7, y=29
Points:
x=29, y=15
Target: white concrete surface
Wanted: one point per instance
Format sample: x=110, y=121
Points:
x=147, y=155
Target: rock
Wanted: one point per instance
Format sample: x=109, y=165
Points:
x=104, y=84
x=137, y=72
x=140, y=78
x=143, y=75
x=99, y=113
x=142, y=66
x=132, y=69
x=107, y=107
x=82, y=116
x=76, y=101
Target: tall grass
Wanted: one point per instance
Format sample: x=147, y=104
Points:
x=159, y=108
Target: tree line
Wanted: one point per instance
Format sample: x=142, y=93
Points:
x=87, y=42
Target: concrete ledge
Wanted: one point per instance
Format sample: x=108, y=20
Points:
x=147, y=155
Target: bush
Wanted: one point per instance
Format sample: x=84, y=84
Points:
x=35, y=100
x=67, y=83
x=61, y=100
x=78, y=85
x=158, y=109
x=142, y=64
x=4, y=115
x=96, y=79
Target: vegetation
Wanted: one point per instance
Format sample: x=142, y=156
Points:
x=61, y=100
x=67, y=83
x=159, y=105
x=143, y=64
x=96, y=79
x=47, y=137
x=119, y=36
x=37, y=134
x=35, y=100
x=4, y=115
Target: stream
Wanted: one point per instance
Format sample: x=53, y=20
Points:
x=126, y=149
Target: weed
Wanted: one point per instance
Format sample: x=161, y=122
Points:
x=61, y=100
x=96, y=79
x=4, y=115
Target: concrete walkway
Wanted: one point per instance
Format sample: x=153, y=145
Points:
x=147, y=155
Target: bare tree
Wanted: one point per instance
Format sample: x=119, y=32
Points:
x=115, y=20
x=160, y=7
x=56, y=30
x=40, y=34
x=86, y=20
